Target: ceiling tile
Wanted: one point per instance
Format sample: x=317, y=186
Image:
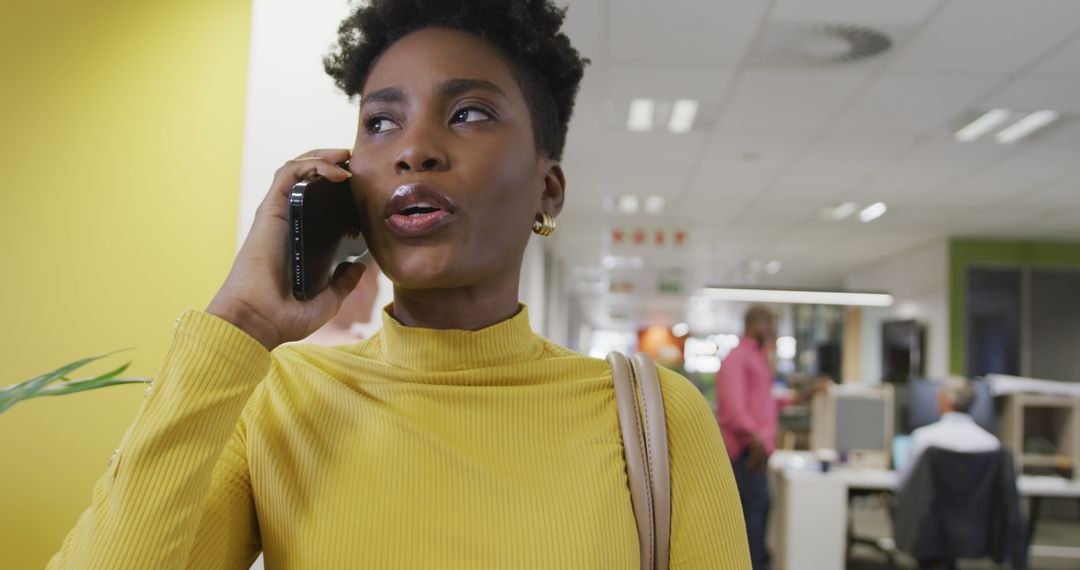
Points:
x=649, y=150
x=752, y=149
x=838, y=161
x=665, y=84
x=1032, y=166
x=789, y=100
x=727, y=182
x=917, y=103
x=1040, y=91
x=824, y=185
x=1061, y=223
x=1063, y=195
x=641, y=164
x=990, y=35
x=782, y=211
x=642, y=182
x=1066, y=60
x=932, y=164
x=584, y=25
x=723, y=193
x=704, y=82
x=1065, y=133
x=1012, y=220
x=589, y=105
x=855, y=11
x=683, y=31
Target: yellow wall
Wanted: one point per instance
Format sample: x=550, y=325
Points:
x=120, y=141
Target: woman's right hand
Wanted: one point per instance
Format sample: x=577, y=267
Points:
x=256, y=296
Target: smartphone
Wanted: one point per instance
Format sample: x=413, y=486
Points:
x=324, y=230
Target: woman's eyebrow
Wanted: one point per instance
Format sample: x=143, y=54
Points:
x=449, y=89
x=454, y=87
x=385, y=95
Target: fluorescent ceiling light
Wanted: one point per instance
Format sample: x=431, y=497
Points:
x=1025, y=126
x=641, y=115
x=987, y=122
x=654, y=204
x=845, y=210
x=628, y=204
x=839, y=213
x=853, y=299
x=873, y=212
x=682, y=116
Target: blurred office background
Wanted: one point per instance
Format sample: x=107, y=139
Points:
x=922, y=153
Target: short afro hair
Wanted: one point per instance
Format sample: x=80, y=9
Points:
x=547, y=68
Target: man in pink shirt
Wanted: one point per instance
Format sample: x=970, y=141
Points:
x=748, y=417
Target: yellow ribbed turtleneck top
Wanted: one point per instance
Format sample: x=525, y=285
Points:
x=416, y=448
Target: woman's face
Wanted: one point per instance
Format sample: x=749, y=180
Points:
x=445, y=166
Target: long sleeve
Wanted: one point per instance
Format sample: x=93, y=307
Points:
x=707, y=528
x=918, y=447
x=731, y=399
x=178, y=491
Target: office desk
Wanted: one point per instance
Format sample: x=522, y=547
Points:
x=809, y=519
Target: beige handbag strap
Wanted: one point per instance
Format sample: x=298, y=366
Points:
x=644, y=431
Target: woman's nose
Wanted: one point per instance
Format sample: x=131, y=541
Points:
x=408, y=164
x=420, y=153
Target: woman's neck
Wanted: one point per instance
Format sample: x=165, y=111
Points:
x=466, y=308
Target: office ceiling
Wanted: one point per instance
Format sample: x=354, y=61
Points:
x=778, y=138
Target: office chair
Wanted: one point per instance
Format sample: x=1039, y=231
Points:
x=960, y=505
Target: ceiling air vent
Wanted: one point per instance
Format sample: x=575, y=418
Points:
x=820, y=44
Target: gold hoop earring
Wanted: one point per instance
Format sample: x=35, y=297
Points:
x=543, y=225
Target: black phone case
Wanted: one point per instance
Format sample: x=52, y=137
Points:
x=324, y=230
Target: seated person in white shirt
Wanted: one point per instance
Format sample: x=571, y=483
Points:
x=955, y=431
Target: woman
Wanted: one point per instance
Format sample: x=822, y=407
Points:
x=455, y=437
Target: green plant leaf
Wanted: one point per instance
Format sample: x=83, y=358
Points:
x=28, y=389
x=82, y=384
x=87, y=384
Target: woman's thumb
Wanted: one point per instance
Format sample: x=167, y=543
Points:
x=346, y=277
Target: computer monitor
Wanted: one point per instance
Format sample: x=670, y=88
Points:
x=902, y=348
x=855, y=421
x=924, y=404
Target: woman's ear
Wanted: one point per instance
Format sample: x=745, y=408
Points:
x=553, y=193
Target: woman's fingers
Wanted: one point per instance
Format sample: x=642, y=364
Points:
x=255, y=295
x=275, y=203
x=334, y=155
x=306, y=168
x=271, y=218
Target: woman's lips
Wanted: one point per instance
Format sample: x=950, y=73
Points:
x=418, y=209
x=417, y=224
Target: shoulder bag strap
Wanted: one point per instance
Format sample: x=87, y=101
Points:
x=656, y=446
x=644, y=432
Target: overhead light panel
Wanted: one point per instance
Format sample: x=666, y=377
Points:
x=839, y=213
x=641, y=115
x=1025, y=126
x=682, y=116
x=984, y=124
x=873, y=212
x=751, y=295
x=654, y=204
x=628, y=204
